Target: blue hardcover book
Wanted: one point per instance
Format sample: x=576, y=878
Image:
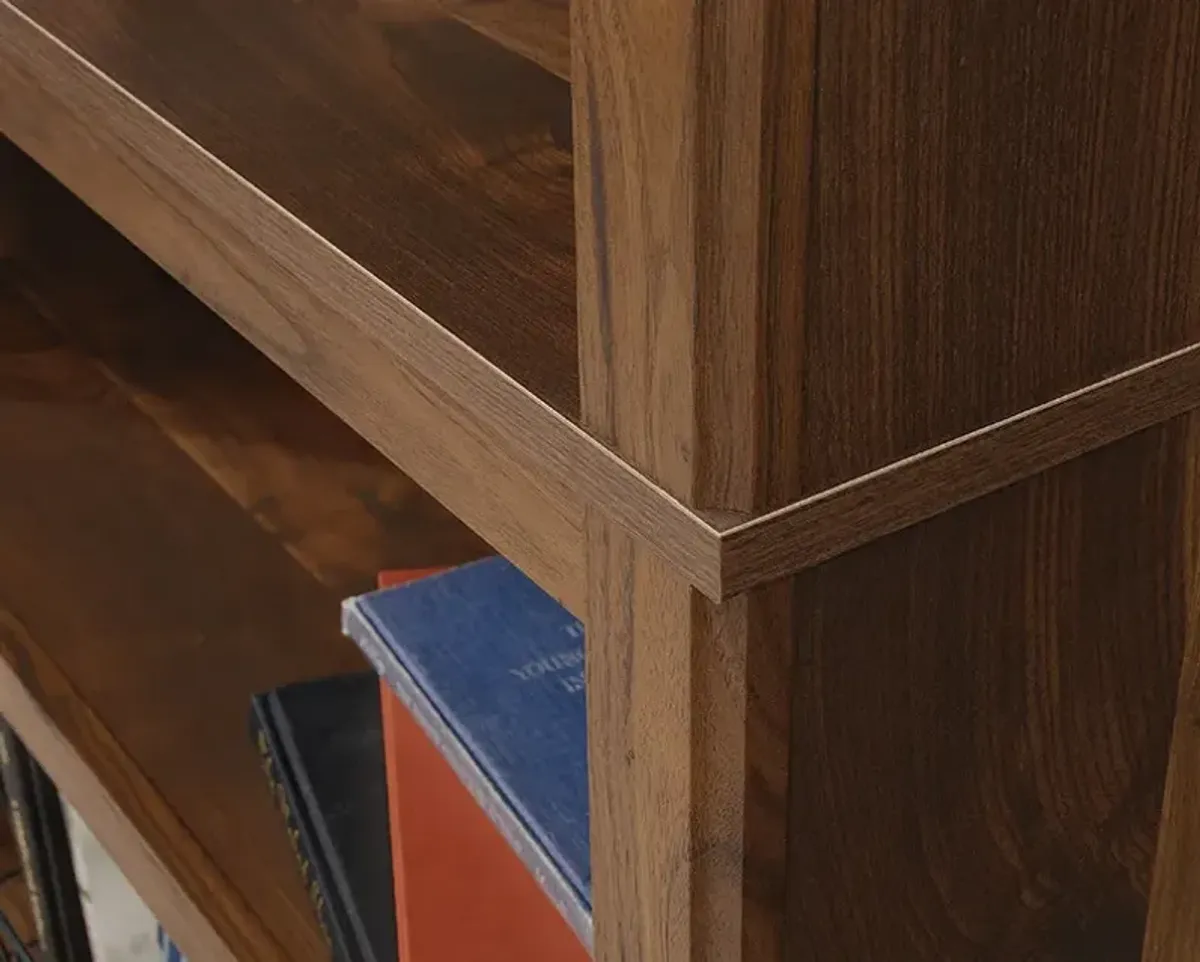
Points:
x=168, y=949
x=492, y=668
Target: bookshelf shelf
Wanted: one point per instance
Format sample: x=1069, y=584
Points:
x=537, y=29
x=431, y=156
x=180, y=520
x=837, y=364
x=416, y=179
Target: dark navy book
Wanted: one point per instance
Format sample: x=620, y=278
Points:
x=322, y=743
x=492, y=668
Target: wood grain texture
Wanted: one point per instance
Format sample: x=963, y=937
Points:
x=536, y=29
x=409, y=390
x=687, y=723
x=436, y=159
x=981, y=717
x=442, y=412
x=178, y=609
x=1007, y=208
x=841, y=518
x=149, y=583
x=76, y=772
x=1173, y=927
x=339, y=507
x=445, y=415
x=692, y=125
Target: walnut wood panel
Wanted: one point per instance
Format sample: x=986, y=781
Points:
x=688, y=707
x=1006, y=209
x=287, y=292
x=852, y=514
x=982, y=710
x=441, y=411
x=537, y=29
x=436, y=159
x=692, y=131
x=339, y=507
x=140, y=609
x=1173, y=927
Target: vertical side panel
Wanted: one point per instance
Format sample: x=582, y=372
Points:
x=1006, y=209
x=692, y=129
x=687, y=721
x=981, y=716
x=692, y=134
x=1173, y=929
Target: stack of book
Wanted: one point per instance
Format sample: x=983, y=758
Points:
x=438, y=806
x=39, y=823
x=84, y=909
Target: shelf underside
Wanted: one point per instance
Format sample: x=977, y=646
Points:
x=179, y=523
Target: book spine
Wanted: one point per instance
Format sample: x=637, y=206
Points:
x=324, y=853
x=17, y=791
x=483, y=789
x=169, y=950
x=65, y=917
x=285, y=800
x=41, y=833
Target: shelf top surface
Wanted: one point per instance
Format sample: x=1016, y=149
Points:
x=180, y=520
x=428, y=152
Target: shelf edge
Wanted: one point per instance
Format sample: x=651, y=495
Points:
x=815, y=529
x=504, y=462
x=247, y=257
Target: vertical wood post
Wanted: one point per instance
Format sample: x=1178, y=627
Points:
x=692, y=127
x=787, y=284
x=692, y=133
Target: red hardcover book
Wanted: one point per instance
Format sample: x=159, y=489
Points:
x=462, y=893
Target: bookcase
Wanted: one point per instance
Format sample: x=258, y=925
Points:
x=835, y=362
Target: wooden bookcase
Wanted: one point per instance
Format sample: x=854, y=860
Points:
x=835, y=362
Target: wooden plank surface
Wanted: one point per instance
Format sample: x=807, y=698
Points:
x=443, y=413
x=683, y=115
x=433, y=157
x=141, y=609
x=446, y=415
x=141, y=605
x=846, y=516
x=1006, y=209
x=440, y=410
x=982, y=711
x=340, y=508
x=692, y=124
x=537, y=29
x=1173, y=926
x=688, y=717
